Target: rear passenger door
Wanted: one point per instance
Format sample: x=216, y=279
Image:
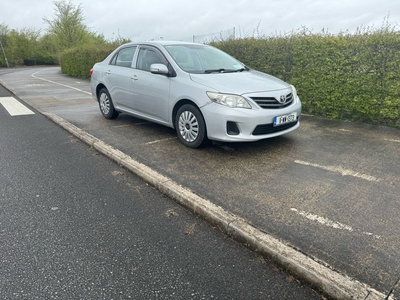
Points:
x=119, y=78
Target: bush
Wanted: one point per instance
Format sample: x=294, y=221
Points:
x=77, y=62
x=29, y=62
x=354, y=77
x=46, y=59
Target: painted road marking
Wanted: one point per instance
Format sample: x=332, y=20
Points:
x=330, y=223
x=64, y=85
x=34, y=85
x=14, y=107
x=340, y=170
x=391, y=140
x=158, y=141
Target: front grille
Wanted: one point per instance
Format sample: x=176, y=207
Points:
x=269, y=128
x=272, y=102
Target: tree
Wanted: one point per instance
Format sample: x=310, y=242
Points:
x=67, y=25
x=4, y=32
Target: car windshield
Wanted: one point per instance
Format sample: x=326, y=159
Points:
x=203, y=59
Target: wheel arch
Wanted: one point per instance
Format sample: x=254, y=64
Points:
x=179, y=104
x=98, y=89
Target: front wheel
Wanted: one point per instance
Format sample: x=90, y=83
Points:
x=190, y=126
x=106, y=106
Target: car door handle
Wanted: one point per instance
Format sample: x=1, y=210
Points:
x=134, y=77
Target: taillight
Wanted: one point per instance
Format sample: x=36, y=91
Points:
x=91, y=71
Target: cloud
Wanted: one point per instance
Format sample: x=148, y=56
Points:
x=181, y=19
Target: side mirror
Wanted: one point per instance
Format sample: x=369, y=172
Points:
x=159, y=69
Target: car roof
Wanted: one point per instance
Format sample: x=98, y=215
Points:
x=162, y=43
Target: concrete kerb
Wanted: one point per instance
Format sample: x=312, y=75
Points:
x=316, y=273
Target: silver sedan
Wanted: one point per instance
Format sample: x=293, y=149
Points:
x=202, y=92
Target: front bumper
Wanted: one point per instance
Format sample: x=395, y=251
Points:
x=253, y=124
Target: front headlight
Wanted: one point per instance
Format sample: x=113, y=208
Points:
x=294, y=92
x=234, y=101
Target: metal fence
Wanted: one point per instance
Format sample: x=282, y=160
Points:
x=215, y=36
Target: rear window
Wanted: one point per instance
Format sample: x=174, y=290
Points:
x=124, y=57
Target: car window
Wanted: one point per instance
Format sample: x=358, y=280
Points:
x=147, y=57
x=202, y=59
x=124, y=57
x=185, y=59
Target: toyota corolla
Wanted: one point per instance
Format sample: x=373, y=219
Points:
x=200, y=91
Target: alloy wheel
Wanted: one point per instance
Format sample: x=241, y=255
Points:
x=188, y=126
x=104, y=103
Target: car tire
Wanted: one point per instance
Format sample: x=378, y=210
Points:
x=106, y=105
x=190, y=126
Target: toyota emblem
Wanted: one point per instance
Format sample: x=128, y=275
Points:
x=282, y=99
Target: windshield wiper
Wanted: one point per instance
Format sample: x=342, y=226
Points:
x=224, y=70
x=215, y=71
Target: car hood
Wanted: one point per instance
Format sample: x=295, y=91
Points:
x=240, y=83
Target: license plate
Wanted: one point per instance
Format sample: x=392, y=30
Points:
x=284, y=119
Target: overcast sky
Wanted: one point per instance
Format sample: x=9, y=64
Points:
x=141, y=20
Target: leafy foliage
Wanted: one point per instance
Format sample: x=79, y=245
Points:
x=67, y=25
x=23, y=47
x=347, y=76
x=77, y=62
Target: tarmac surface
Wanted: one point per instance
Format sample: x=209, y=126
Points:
x=323, y=201
x=76, y=225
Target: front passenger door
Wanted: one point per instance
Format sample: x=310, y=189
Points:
x=151, y=91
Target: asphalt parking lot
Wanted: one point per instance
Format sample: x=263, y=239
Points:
x=330, y=189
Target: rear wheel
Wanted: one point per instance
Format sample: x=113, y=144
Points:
x=106, y=106
x=190, y=126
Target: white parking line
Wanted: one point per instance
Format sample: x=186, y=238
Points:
x=391, y=140
x=14, y=107
x=330, y=223
x=340, y=170
x=158, y=141
x=64, y=85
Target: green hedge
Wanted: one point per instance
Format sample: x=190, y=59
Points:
x=77, y=62
x=354, y=77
